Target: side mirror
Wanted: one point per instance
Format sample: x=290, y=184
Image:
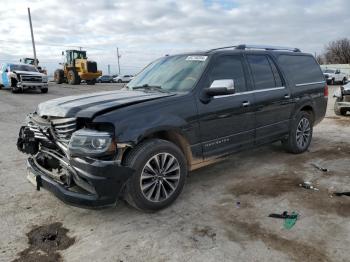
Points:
x=221, y=87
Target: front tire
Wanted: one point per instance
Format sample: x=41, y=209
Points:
x=300, y=134
x=119, y=81
x=44, y=90
x=160, y=174
x=73, y=77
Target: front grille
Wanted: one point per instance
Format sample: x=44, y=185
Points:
x=31, y=79
x=62, y=128
x=92, y=67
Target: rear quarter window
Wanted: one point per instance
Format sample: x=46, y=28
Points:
x=302, y=69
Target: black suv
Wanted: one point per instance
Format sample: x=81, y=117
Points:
x=180, y=112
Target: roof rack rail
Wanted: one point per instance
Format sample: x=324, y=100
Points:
x=224, y=47
x=267, y=47
x=263, y=47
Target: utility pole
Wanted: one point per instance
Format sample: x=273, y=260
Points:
x=109, y=69
x=33, y=42
x=118, y=56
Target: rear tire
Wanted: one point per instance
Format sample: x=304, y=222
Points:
x=160, y=174
x=300, y=134
x=59, y=76
x=343, y=81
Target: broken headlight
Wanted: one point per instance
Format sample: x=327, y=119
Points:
x=88, y=142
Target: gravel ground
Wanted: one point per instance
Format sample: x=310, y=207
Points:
x=205, y=223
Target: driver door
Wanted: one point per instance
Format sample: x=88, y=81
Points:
x=227, y=122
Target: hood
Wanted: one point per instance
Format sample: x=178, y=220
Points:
x=28, y=73
x=90, y=105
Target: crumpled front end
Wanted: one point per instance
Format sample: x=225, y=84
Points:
x=76, y=179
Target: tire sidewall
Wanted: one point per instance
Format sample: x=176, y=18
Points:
x=138, y=163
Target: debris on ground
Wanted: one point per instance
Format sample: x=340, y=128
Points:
x=308, y=185
x=44, y=242
x=323, y=169
x=341, y=193
x=284, y=215
x=289, y=219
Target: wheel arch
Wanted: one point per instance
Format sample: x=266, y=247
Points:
x=310, y=110
x=171, y=135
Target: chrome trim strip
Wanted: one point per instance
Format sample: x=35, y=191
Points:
x=311, y=83
x=253, y=91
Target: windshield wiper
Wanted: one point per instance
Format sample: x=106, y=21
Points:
x=150, y=87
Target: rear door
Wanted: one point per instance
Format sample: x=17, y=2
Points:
x=227, y=122
x=273, y=101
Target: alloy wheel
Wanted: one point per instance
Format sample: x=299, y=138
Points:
x=160, y=177
x=303, y=133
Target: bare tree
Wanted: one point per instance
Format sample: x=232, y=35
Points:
x=338, y=51
x=320, y=59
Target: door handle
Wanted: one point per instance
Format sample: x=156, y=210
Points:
x=287, y=96
x=246, y=104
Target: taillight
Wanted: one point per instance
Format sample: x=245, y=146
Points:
x=325, y=91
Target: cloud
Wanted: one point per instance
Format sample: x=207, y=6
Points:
x=145, y=30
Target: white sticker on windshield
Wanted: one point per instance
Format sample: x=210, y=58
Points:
x=196, y=58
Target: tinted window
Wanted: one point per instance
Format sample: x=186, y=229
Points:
x=228, y=67
x=302, y=69
x=262, y=72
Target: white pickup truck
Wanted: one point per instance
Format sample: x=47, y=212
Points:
x=342, y=101
x=334, y=76
x=19, y=77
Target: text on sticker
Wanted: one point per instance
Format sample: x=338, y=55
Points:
x=196, y=58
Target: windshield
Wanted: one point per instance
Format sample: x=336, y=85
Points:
x=23, y=68
x=330, y=71
x=171, y=73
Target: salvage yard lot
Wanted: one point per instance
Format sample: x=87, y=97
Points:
x=205, y=223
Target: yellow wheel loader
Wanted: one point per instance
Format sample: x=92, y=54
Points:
x=77, y=68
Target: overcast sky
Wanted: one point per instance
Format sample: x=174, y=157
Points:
x=145, y=30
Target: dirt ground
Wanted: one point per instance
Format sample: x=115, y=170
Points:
x=222, y=214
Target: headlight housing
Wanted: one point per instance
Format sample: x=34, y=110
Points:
x=93, y=143
x=44, y=79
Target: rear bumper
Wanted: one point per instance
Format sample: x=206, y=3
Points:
x=103, y=181
x=320, y=109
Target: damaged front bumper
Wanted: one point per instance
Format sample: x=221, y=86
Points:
x=26, y=85
x=93, y=183
x=79, y=180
